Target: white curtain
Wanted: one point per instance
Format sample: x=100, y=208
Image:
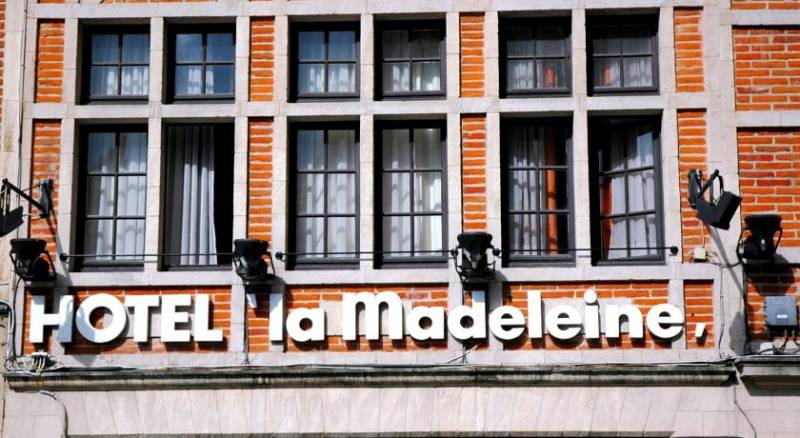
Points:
x=427, y=76
x=520, y=74
x=341, y=78
x=524, y=187
x=396, y=76
x=638, y=72
x=191, y=200
x=342, y=192
x=101, y=159
x=131, y=191
x=606, y=72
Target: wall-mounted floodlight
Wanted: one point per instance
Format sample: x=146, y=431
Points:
x=717, y=212
x=249, y=260
x=761, y=244
x=31, y=260
x=474, y=265
x=10, y=219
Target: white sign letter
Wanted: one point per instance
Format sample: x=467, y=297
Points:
x=571, y=320
x=506, y=328
x=372, y=308
x=62, y=319
x=202, y=324
x=662, y=315
x=314, y=333
x=434, y=331
x=141, y=314
x=119, y=318
x=534, y=314
x=591, y=315
x=170, y=317
x=476, y=313
x=613, y=320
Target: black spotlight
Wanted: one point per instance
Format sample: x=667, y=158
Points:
x=474, y=265
x=249, y=261
x=761, y=243
x=31, y=260
x=717, y=212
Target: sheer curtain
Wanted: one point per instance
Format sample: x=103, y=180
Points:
x=310, y=235
x=397, y=190
x=191, y=197
x=524, y=186
x=341, y=192
x=131, y=191
x=101, y=161
x=614, y=197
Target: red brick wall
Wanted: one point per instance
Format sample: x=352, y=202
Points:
x=220, y=319
x=472, y=60
x=765, y=4
x=473, y=162
x=259, y=180
x=688, y=50
x=262, y=58
x=767, y=68
x=764, y=281
x=692, y=154
x=643, y=294
x=313, y=296
x=44, y=165
x=769, y=177
x=698, y=300
x=50, y=61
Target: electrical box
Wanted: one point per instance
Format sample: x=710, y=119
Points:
x=782, y=313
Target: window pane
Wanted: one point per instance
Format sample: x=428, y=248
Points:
x=554, y=190
x=640, y=147
x=638, y=71
x=553, y=150
x=395, y=44
x=219, y=47
x=636, y=40
x=188, y=80
x=427, y=75
x=427, y=148
x=130, y=196
x=104, y=81
x=550, y=74
x=550, y=42
x=130, y=239
x=614, y=155
x=342, y=236
x=136, y=48
x=519, y=41
x=311, y=46
x=310, y=236
x=342, y=193
x=641, y=191
x=396, y=192
x=397, y=235
x=100, y=196
x=554, y=235
x=615, y=240
x=396, y=149
x=310, y=149
x=219, y=79
x=519, y=139
x=189, y=47
x=342, y=46
x=427, y=192
x=524, y=233
x=99, y=238
x=311, y=78
x=342, y=78
x=310, y=193
x=132, y=152
x=605, y=41
x=606, y=72
x=613, y=195
x=428, y=233
x=135, y=81
x=643, y=236
x=520, y=75
x=523, y=190
x=427, y=43
x=105, y=48
x=341, y=149
x=396, y=76
x=102, y=156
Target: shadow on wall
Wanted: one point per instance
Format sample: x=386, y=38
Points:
x=776, y=279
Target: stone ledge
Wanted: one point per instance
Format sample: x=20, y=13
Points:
x=701, y=374
x=770, y=370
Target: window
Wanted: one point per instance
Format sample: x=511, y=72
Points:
x=117, y=63
x=199, y=195
x=326, y=61
x=624, y=55
x=536, y=53
x=113, y=208
x=412, y=59
x=203, y=62
x=325, y=205
x=627, y=199
x=412, y=192
x=537, y=190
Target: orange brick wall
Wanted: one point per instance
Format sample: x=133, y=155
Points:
x=473, y=162
x=698, y=300
x=262, y=58
x=765, y=4
x=692, y=154
x=767, y=68
x=44, y=165
x=472, y=60
x=643, y=294
x=764, y=281
x=688, y=50
x=259, y=180
x=220, y=319
x=49, y=61
x=313, y=296
x=769, y=177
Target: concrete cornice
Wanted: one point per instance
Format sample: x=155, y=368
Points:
x=767, y=371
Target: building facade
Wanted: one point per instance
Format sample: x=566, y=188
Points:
x=361, y=138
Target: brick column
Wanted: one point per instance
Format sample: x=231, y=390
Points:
x=692, y=154
x=688, y=50
x=473, y=168
x=698, y=298
x=50, y=61
x=472, y=59
x=262, y=58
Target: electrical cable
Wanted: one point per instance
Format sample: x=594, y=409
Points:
x=744, y=414
x=65, y=422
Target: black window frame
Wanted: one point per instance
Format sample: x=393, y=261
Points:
x=204, y=29
x=596, y=145
x=593, y=24
x=410, y=26
x=410, y=260
x=510, y=259
x=325, y=28
x=86, y=263
x=535, y=23
x=297, y=261
x=86, y=64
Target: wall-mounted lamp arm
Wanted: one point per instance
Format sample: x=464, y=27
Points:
x=45, y=202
